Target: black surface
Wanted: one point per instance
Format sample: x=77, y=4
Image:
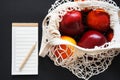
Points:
x=35, y=11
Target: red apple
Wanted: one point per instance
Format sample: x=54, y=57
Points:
x=71, y=23
x=98, y=20
x=92, y=38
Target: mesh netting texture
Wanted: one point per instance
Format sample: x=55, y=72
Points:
x=84, y=63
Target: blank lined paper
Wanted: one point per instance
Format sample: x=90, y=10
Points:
x=24, y=36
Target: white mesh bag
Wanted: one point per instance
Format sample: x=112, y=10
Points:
x=84, y=63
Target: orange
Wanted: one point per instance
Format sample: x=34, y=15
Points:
x=100, y=10
x=64, y=51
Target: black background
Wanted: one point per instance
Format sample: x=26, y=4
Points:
x=35, y=11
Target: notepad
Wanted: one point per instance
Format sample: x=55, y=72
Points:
x=24, y=38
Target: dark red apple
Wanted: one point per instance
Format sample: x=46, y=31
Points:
x=92, y=38
x=110, y=35
x=71, y=23
x=98, y=20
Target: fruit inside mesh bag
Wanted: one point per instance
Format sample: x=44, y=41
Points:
x=82, y=36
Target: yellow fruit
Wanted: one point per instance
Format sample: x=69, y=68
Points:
x=70, y=39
